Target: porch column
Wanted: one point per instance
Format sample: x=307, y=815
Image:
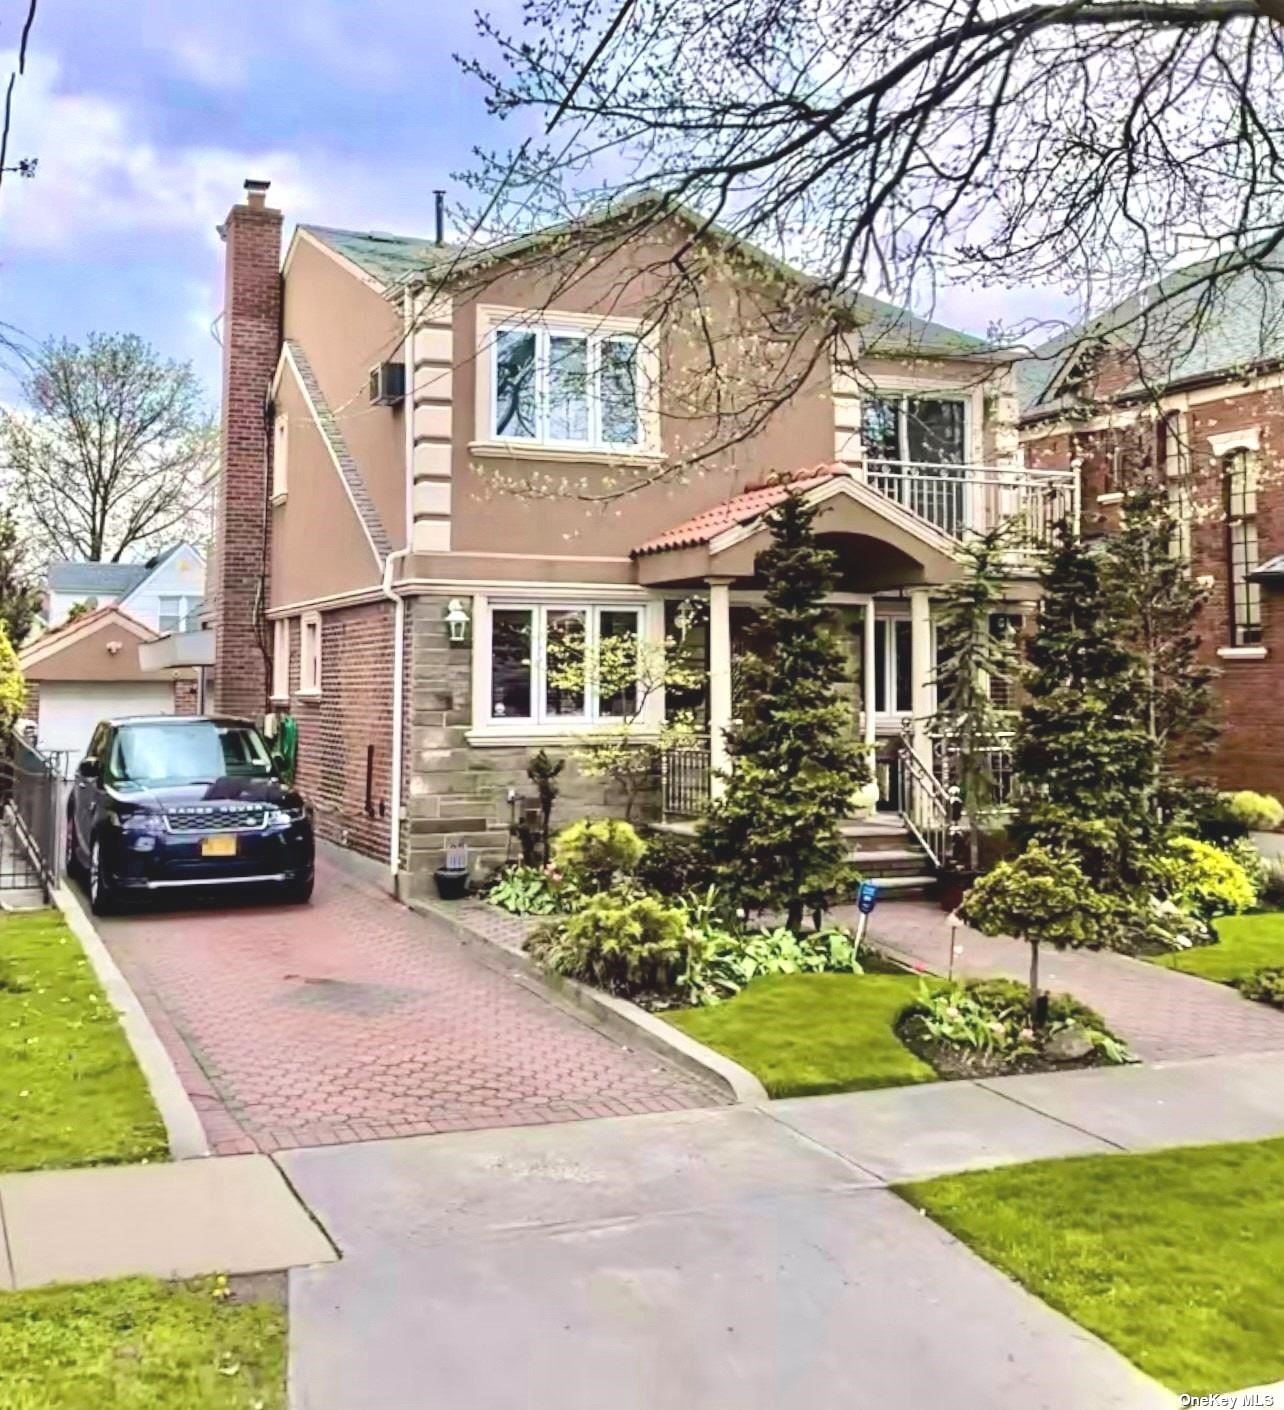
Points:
x=921, y=667
x=719, y=679
x=869, y=700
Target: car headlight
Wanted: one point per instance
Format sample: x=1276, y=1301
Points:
x=142, y=822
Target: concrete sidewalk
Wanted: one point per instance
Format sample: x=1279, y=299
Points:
x=748, y=1258
x=234, y=1215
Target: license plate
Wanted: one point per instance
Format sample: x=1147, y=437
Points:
x=218, y=846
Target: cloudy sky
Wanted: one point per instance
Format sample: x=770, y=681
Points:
x=146, y=118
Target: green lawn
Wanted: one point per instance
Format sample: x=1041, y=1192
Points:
x=804, y=1034
x=1173, y=1258
x=70, y=1091
x=1244, y=944
x=140, y=1345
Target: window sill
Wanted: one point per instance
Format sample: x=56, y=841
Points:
x=313, y=693
x=1242, y=653
x=489, y=737
x=279, y=700
x=532, y=450
x=278, y=499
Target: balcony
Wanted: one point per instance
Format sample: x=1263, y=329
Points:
x=976, y=499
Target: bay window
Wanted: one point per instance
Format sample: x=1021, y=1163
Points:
x=570, y=664
x=566, y=386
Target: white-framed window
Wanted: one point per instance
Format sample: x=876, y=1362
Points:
x=1245, y=595
x=922, y=428
x=173, y=612
x=1006, y=627
x=541, y=666
x=562, y=385
x=280, y=456
x=310, y=654
x=893, y=676
x=281, y=659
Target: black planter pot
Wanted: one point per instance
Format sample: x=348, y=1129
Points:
x=452, y=883
x=952, y=885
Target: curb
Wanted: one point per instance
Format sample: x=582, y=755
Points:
x=626, y=1022
x=182, y=1123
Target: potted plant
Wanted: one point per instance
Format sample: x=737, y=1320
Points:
x=452, y=876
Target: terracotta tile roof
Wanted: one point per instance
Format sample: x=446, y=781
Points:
x=743, y=509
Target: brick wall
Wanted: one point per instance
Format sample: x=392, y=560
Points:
x=457, y=792
x=251, y=346
x=186, y=696
x=1250, y=691
x=337, y=729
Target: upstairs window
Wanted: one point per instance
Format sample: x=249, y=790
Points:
x=1244, y=596
x=898, y=426
x=174, y=612
x=568, y=386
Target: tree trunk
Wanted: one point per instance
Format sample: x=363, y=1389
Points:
x=794, y=917
x=1034, y=978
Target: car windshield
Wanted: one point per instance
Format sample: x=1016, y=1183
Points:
x=188, y=753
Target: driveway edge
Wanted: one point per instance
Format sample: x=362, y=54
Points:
x=183, y=1126
x=626, y=1022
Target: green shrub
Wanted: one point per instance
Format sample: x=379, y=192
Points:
x=992, y=1017
x=1041, y=895
x=1245, y=852
x=524, y=891
x=593, y=851
x=673, y=864
x=1204, y=880
x=1264, y=985
x=724, y=962
x=620, y=941
x=1254, y=812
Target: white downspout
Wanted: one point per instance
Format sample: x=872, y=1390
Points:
x=399, y=602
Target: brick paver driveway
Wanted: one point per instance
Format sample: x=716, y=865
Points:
x=1162, y=1014
x=353, y=1019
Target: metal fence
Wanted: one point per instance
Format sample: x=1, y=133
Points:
x=685, y=776
x=31, y=801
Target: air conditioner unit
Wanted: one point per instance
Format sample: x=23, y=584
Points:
x=387, y=383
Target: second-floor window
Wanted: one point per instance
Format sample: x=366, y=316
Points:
x=899, y=426
x=1245, y=596
x=567, y=386
x=174, y=612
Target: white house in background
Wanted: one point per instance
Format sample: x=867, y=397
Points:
x=164, y=593
x=114, y=657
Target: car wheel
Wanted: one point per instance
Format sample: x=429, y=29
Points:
x=101, y=891
x=299, y=893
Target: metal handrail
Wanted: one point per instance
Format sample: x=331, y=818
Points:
x=929, y=809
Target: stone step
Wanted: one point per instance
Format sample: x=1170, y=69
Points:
x=892, y=887
x=884, y=856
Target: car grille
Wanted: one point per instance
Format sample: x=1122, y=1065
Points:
x=213, y=818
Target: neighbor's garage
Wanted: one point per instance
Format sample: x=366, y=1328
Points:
x=88, y=670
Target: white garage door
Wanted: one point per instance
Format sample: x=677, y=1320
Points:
x=69, y=710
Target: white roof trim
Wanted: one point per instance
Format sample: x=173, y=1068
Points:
x=288, y=356
x=864, y=495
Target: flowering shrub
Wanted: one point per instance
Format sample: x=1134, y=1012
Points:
x=1204, y=880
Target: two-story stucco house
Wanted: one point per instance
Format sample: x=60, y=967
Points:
x=91, y=662
x=375, y=577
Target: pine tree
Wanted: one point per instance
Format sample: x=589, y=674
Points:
x=1086, y=767
x=969, y=654
x=1157, y=603
x=796, y=766
x=19, y=597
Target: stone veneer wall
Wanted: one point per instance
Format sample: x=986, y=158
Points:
x=457, y=792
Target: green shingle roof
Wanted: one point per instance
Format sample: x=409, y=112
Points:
x=1201, y=328
x=394, y=259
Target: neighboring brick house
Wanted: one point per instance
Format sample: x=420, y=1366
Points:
x=373, y=578
x=1193, y=392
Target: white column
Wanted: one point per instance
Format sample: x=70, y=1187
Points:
x=719, y=678
x=867, y=679
x=921, y=666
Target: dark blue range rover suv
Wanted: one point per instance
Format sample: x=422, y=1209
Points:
x=171, y=802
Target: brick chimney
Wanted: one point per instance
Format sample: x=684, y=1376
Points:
x=251, y=347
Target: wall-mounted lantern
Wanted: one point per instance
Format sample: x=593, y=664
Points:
x=457, y=620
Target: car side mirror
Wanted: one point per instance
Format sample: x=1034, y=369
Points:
x=89, y=768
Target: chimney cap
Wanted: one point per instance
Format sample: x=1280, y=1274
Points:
x=256, y=192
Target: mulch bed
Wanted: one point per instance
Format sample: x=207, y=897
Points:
x=954, y=1063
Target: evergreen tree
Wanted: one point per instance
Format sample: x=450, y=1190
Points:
x=13, y=689
x=1086, y=766
x=796, y=766
x=1158, y=603
x=970, y=654
x=19, y=597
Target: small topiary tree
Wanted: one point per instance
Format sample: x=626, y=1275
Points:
x=796, y=766
x=1040, y=896
x=592, y=852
